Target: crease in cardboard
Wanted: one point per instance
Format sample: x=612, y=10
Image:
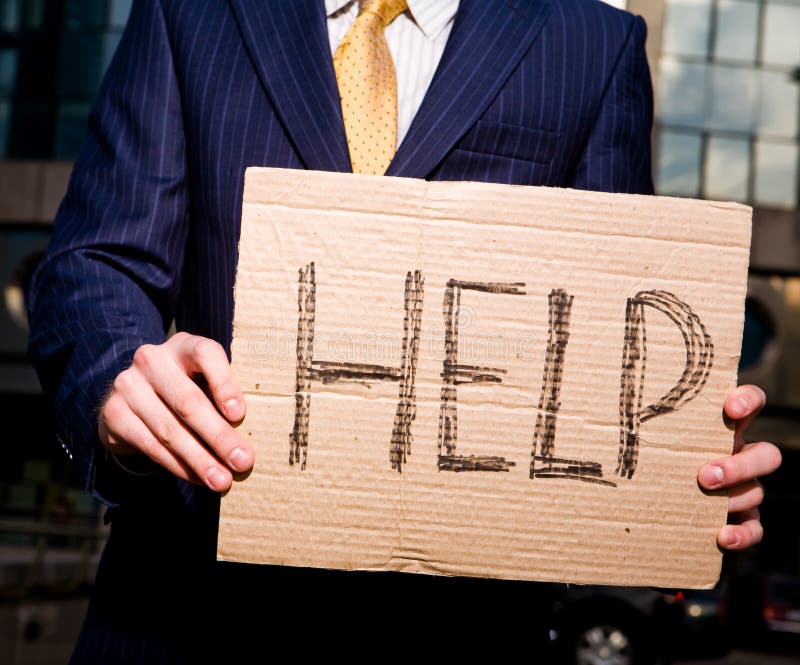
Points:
x=539, y=226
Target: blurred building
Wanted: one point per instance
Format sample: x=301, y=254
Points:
x=727, y=84
x=53, y=54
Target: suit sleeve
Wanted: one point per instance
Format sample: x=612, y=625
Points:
x=110, y=278
x=617, y=156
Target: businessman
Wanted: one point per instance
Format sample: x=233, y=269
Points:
x=531, y=92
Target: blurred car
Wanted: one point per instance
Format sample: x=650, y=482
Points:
x=704, y=631
x=764, y=611
x=609, y=625
x=781, y=606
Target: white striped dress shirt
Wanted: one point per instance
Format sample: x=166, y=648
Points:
x=416, y=40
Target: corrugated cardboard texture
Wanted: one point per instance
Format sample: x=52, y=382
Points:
x=483, y=380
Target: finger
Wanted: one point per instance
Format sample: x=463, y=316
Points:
x=192, y=407
x=751, y=462
x=170, y=432
x=746, y=496
x=743, y=405
x=123, y=432
x=204, y=356
x=112, y=415
x=743, y=535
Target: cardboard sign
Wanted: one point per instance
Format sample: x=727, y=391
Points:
x=483, y=380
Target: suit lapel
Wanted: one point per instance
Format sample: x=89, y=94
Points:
x=288, y=44
x=486, y=43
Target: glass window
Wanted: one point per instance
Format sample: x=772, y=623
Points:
x=729, y=117
x=5, y=116
x=727, y=167
x=32, y=137
x=732, y=97
x=776, y=174
x=8, y=71
x=35, y=13
x=686, y=27
x=679, y=163
x=71, y=129
x=82, y=14
x=737, y=30
x=781, y=44
x=110, y=43
x=9, y=15
x=118, y=11
x=683, y=91
x=80, y=65
x=778, y=105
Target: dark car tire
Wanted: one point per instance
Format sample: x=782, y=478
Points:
x=605, y=636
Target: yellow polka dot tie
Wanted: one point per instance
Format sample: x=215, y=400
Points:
x=368, y=86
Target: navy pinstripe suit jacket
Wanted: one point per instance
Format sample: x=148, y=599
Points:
x=538, y=92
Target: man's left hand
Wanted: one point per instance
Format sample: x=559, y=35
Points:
x=739, y=472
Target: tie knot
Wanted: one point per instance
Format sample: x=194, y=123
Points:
x=387, y=10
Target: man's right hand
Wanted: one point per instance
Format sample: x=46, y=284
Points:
x=176, y=404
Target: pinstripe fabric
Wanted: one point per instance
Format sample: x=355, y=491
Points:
x=538, y=92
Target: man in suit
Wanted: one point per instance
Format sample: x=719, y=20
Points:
x=533, y=92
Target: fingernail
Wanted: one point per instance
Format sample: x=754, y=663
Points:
x=728, y=538
x=711, y=476
x=215, y=478
x=239, y=459
x=232, y=409
x=741, y=405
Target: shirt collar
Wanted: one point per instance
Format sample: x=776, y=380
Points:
x=335, y=6
x=430, y=15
